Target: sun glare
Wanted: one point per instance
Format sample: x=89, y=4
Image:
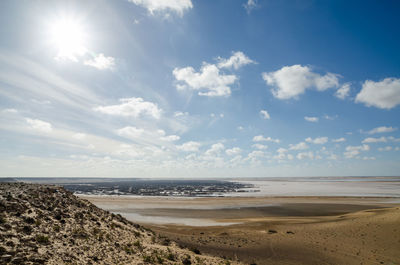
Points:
x=69, y=38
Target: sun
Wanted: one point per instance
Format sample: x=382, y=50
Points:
x=69, y=37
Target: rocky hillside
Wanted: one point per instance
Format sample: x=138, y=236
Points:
x=42, y=224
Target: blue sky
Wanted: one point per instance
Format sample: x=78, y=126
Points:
x=185, y=88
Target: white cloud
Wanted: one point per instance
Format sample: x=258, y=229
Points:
x=260, y=138
x=79, y=136
x=39, y=125
x=209, y=81
x=250, y=5
x=375, y=140
x=101, y=62
x=130, y=132
x=9, y=111
x=260, y=146
x=233, y=151
x=332, y=157
x=318, y=140
x=353, y=151
x=384, y=94
x=343, y=91
x=281, y=150
x=368, y=158
x=386, y=148
x=265, y=115
x=170, y=138
x=153, y=136
x=304, y=155
x=178, y=6
x=132, y=107
x=292, y=81
x=237, y=60
x=382, y=129
x=339, y=140
x=391, y=138
x=190, y=146
x=299, y=146
x=180, y=114
x=255, y=155
x=311, y=119
x=331, y=118
x=282, y=154
x=215, y=149
x=240, y=128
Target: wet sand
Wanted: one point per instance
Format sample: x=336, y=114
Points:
x=277, y=230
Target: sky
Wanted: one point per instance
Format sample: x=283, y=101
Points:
x=199, y=89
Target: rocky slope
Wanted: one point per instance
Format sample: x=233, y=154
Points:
x=42, y=224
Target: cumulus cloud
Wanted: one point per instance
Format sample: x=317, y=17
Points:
x=299, y=146
x=391, y=138
x=39, y=125
x=385, y=149
x=209, y=81
x=339, y=140
x=318, y=140
x=233, y=151
x=132, y=107
x=254, y=156
x=170, y=138
x=215, y=149
x=250, y=5
x=383, y=94
x=353, y=151
x=382, y=129
x=178, y=6
x=305, y=155
x=101, y=62
x=292, y=81
x=375, y=140
x=260, y=138
x=180, y=114
x=260, y=146
x=134, y=133
x=282, y=154
x=130, y=132
x=265, y=115
x=343, y=91
x=190, y=146
x=237, y=60
x=311, y=119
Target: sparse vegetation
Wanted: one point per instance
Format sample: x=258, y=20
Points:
x=75, y=231
x=42, y=239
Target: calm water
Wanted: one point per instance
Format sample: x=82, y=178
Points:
x=359, y=187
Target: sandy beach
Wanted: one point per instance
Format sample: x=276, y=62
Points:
x=273, y=230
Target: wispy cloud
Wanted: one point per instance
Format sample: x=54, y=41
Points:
x=311, y=119
x=382, y=129
x=250, y=5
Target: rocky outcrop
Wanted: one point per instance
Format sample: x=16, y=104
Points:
x=43, y=224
